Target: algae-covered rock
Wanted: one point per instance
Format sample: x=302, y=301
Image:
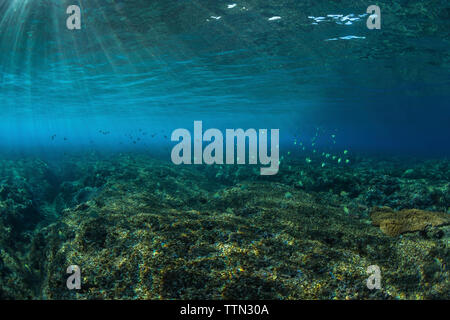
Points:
x=27, y=186
x=141, y=228
x=395, y=223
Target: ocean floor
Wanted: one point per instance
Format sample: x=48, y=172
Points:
x=143, y=228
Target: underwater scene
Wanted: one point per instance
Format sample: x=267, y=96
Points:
x=215, y=149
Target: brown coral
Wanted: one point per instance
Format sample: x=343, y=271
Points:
x=394, y=223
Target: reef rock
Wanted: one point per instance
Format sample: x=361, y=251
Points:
x=394, y=223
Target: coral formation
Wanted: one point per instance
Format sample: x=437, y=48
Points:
x=407, y=220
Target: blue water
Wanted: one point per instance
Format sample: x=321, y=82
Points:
x=140, y=66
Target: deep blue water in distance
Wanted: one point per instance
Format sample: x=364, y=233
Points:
x=140, y=66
